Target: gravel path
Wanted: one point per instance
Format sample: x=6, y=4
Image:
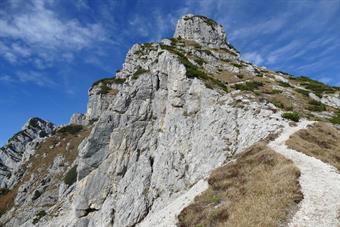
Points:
x=320, y=184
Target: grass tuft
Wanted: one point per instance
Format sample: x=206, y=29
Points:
x=293, y=116
x=248, y=86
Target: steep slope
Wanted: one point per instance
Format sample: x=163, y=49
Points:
x=20, y=147
x=177, y=110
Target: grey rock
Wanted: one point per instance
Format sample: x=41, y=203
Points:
x=79, y=119
x=20, y=147
x=156, y=136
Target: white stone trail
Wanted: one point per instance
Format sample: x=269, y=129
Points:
x=320, y=184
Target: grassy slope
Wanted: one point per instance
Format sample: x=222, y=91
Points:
x=256, y=190
x=43, y=160
x=321, y=141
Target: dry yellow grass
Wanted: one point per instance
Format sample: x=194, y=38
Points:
x=259, y=189
x=321, y=141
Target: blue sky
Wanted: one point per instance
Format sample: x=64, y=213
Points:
x=51, y=51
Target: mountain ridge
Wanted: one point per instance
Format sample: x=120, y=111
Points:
x=176, y=111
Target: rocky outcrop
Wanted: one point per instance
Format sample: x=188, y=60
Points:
x=331, y=100
x=159, y=134
x=20, y=147
x=78, y=119
x=202, y=30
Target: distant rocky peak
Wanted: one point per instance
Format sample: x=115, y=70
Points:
x=201, y=29
x=36, y=123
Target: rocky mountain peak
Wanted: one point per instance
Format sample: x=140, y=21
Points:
x=201, y=29
x=37, y=123
x=20, y=146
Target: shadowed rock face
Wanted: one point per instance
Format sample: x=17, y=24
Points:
x=202, y=30
x=19, y=147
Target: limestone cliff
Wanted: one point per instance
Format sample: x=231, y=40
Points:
x=174, y=112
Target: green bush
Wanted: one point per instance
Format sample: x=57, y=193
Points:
x=38, y=216
x=139, y=72
x=303, y=92
x=316, y=106
x=316, y=86
x=293, y=116
x=336, y=118
x=118, y=80
x=248, y=86
x=278, y=104
x=106, y=82
x=284, y=84
x=71, y=176
x=70, y=129
x=284, y=73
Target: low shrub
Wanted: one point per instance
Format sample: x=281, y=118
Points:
x=316, y=106
x=106, y=82
x=316, y=86
x=302, y=91
x=38, y=216
x=336, y=118
x=71, y=176
x=278, y=104
x=293, y=116
x=70, y=129
x=248, y=86
x=284, y=84
x=139, y=72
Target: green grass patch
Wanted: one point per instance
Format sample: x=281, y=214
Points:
x=315, y=86
x=302, y=91
x=336, y=119
x=293, y=116
x=236, y=65
x=316, y=106
x=70, y=129
x=139, y=72
x=248, y=86
x=284, y=84
x=106, y=82
x=71, y=176
x=39, y=216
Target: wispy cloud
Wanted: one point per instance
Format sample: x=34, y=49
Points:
x=30, y=77
x=253, y=57
x=39, y=32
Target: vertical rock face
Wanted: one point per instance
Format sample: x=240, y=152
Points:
x=202, y=30
x=19, y=147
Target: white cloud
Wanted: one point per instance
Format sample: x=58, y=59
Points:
x=253, y=57
x=6, y=78
x=37, y=30
x=31, y=77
